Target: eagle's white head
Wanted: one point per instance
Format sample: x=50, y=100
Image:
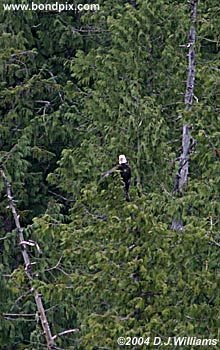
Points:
x=122, y=159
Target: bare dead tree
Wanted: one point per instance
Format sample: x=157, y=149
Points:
x=28, y=267
x=189, y=94
x=183, y=170
x=41, y=312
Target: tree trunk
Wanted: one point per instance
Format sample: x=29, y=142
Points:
x=183, y=170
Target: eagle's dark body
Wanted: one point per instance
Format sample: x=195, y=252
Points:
x=126, y=177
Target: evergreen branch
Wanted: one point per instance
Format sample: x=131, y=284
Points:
x=5, y=157
x=54, y=80
x=94, y=215
x=21, y=297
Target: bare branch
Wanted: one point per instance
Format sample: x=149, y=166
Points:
x=56, y=266
x=19, y=319
x=32, y=244
x=23, y=53
x=44, y=108
x=88, y=30
x=66, y=332
x=215, y=243
x=6, y=236
x=109, y=172
x=43, y=102
x=18, y=315
x=62, y=197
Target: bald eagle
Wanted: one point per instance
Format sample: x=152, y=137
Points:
x=125, y=170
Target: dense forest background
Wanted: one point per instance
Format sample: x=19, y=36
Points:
x=77, y=90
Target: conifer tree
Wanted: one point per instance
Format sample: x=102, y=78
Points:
x=110, y=82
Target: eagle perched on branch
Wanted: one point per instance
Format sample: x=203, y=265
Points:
x=125, y=170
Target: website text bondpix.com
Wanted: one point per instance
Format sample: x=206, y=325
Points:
x=56, y=7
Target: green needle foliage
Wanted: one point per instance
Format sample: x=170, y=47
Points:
x=77, y=90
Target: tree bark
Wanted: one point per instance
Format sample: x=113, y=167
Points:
x=183, y=170
x=189, y=94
